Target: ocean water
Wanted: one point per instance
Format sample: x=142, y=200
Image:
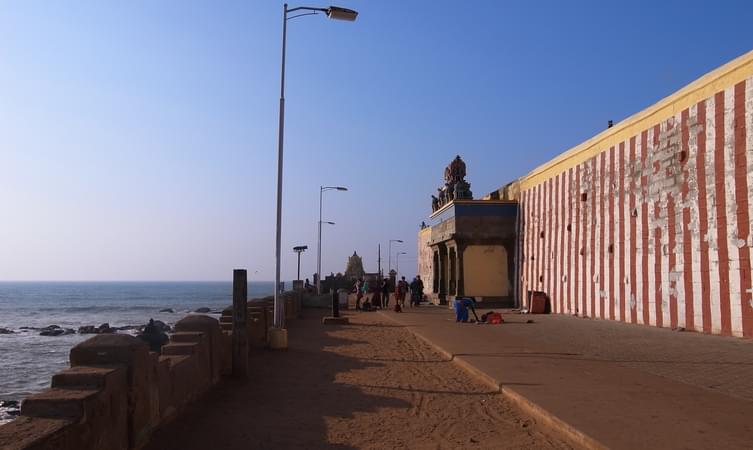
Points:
x=28, y=360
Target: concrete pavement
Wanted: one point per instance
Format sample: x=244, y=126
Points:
x=604, y=383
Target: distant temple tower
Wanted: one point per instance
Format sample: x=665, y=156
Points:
x=354, y=269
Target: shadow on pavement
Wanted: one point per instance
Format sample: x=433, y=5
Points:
x=285, y=402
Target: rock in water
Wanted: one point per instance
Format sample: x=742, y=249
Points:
x=167, y=310
x=203, y=310
x=5, y=331
x=105, y=328
x=87, y=329
x=52, y=332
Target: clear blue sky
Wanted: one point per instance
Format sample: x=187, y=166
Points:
x=138, y=139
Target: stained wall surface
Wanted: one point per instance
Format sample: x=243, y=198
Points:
x=485, y=271
x=650, y=221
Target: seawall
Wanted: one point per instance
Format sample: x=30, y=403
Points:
x=116, y=392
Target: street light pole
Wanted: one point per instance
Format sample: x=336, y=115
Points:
x=389, y=258
x=333, y=12
x=319, y=249
x=397, y=264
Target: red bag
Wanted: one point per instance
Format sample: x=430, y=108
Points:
x=494, y=319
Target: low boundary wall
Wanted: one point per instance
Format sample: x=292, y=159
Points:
x=116, y=392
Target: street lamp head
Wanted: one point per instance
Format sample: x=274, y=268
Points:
x=329, y=223
x=300, y=248
x=341, y=188
x=338, y=13
x=402, y=253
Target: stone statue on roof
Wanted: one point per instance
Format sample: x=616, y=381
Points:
x=455, y=187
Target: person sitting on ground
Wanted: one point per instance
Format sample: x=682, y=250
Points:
x=462, y=304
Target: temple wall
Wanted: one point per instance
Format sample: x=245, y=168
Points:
x=649, y=222
x=485, y=271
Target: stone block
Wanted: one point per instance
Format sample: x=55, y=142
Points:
x=132, y=353
x=211, y=329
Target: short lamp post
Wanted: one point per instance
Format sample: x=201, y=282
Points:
x=300, y=249
x=322, y=190
x=333, y=12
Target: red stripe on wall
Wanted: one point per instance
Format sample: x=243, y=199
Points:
x=703, y=218
x=562, y=263
x=644, y=230
x=556, y=218
x=633, y=235
x=721, y=215
x=602, y=232
x=577, y=247
x=743, y=217
x=620, y=245
x=549, y=235
x=592, y=242
x=570, y=236
x=610, y=242
x=687, y=251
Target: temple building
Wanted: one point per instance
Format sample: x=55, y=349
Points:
x=469, y=248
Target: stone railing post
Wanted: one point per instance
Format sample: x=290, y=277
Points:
x=240, y=333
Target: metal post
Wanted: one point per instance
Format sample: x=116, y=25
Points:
x=389, y=257
x=240, y=332
x=319, y=247
x=299, y=266
x=278, y=311
x=335, y=303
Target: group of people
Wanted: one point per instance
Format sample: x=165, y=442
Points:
x=368, y=297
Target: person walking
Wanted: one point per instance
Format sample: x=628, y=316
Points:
x=359, y=293
x=415, y=292
x=385, y=293
x=420, y=288
x=401, y=289
x=365, y=290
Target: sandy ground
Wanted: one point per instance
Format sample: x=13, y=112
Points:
x=371, y=384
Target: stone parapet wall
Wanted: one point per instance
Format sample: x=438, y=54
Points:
x=116, y=392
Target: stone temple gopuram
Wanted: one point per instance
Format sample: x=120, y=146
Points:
x=468, y=248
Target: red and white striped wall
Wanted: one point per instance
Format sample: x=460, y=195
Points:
x=654, y=229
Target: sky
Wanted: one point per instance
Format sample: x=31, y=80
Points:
x=138, y=140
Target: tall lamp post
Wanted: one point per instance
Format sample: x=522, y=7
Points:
x=322, y=189
x=397, y=264
x=389, y=258
x=333, y=12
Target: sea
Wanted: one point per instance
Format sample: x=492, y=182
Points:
x=28, y=360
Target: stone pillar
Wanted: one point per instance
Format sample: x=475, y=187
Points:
x=240, y=333
x=460, y=275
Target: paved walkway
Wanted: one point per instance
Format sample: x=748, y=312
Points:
x=367, y=385
x=608, y=383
